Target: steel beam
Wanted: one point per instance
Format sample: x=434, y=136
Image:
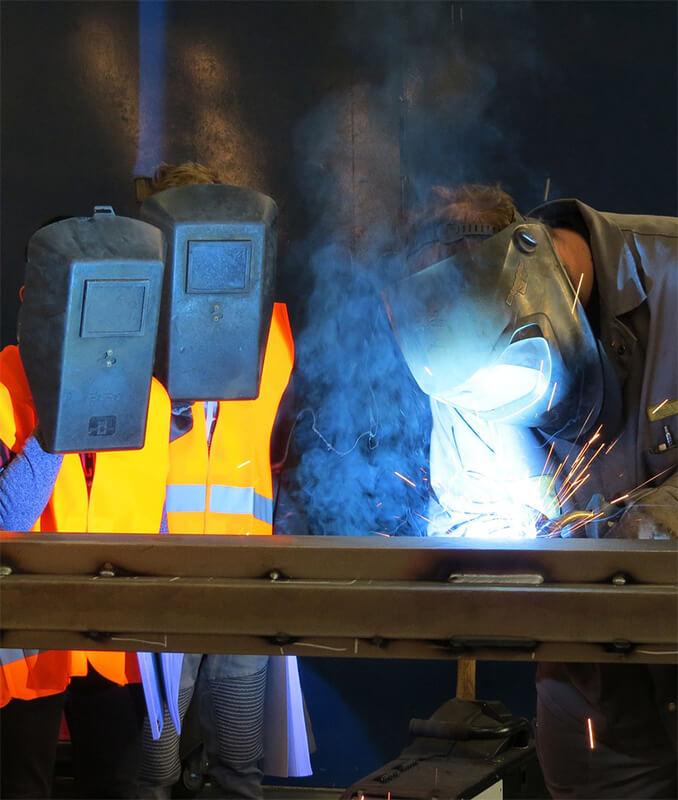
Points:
x=576, y=600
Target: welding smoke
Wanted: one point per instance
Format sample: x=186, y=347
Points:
x=363, y=418
x=367, y=155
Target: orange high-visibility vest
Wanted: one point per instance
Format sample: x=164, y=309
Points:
x=227, y=488
x=126, y=496
x=27, y=674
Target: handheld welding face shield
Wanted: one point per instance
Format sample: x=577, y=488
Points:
x=87, y=329
x=218, y=291
x=496, y=330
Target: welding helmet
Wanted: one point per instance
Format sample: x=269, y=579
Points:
x=218, y=290
x=87, y=329
x=497, y=330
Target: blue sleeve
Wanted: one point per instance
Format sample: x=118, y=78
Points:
x=26, y=484
x=163, y=522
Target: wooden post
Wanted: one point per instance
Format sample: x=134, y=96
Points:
x=466, y=679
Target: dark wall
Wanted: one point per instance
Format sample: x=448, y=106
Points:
x=583, y=93
x=345, y=113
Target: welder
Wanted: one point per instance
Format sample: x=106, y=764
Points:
x=225, y=354
x=562, y=322
x=84, y=449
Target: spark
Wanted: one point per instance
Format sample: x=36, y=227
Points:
x=576, y=294
x=578, y=460
x=612, y=445
x=595, y=436
x=249, y=461
x=421, y=516
x=379, y=503
x=555, y=385
x=580, y=481
x=578, y=469
x=541, y=366
x=575, y=474
x=547, y=188
x=426, y=369
x=589, y=723
x=555, y=477
x=380, y=533
x=583, y=427
x=548, y=458
x=649, y=480
x=619, y=499
x=590, y=517
x=407, y=480
x=661, y=405
x=574, y=488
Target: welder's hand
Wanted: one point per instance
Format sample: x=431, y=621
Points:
x=639, y=522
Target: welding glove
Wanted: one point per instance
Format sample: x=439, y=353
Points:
x=605, y=515
x=654, y=515
x=593, y=523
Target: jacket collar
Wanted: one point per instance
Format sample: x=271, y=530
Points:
x=616, y=270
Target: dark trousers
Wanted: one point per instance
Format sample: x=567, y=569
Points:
x=105, y=721
x=602, y=733
x=29, y=731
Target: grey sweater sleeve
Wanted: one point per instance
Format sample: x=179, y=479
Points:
x=26, y=484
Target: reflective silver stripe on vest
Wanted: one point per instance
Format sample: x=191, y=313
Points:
x=186, y=497
x=9, y=656
x=236, y=500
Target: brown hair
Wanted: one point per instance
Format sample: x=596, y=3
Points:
x=167, y=176
x=469, y=203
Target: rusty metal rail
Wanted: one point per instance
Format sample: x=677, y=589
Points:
x=576, y=600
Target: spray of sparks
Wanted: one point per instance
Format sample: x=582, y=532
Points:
x=513, y=520
x=579, y=473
